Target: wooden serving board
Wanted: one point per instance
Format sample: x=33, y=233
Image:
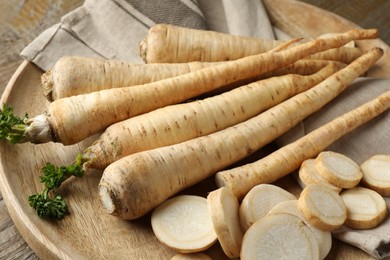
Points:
x=88, y=232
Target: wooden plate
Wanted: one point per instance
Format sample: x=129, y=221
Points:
x=88, y=232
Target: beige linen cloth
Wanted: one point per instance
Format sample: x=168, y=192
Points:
x=112, y=29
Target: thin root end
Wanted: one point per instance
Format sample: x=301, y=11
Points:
x=220, y=180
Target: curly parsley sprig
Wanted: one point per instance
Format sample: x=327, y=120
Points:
x=12, y=127
x=48, y=204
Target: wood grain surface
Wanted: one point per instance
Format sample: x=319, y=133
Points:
x=366, y=13
x=21, y=21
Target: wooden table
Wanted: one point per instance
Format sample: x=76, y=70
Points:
x=21, y=21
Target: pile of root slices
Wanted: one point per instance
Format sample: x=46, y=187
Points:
x=272, y=223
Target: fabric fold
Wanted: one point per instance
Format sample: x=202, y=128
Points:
x=109, y=29
x=236, y=17
x=374, y=241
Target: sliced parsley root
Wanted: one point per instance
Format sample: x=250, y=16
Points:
x=48, y=204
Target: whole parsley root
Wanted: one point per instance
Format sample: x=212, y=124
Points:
x=167, y=43
x=72, y=119
x=185, y=121
x=128, y=186
x=288, y=158
x=74, y=75
x=182, y=122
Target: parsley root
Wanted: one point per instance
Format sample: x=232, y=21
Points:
x=172, y=44
x=166, y=43
x=72, y=119
x=181, y=122
x=128, y=186
x=288, y=158
x=72, y=76
x=186, y=121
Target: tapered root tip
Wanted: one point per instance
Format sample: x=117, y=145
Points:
x=374, y=33
x=106, y=199
x=380, y=51
x=220, y=180
x=365, y=34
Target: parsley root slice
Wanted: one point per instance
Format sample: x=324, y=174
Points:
x=259, y=200
x=223, y=207
x=322, y=207
x=324, y=238
x=308, y=174
x=338, y=169
x=366, y=208
x=181, y=122
x=183, y=223
x=376, y=173
x=128, y=185
x=72, y=119
x=73, y=75
x=282, y=236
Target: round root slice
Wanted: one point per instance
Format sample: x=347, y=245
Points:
x=322, y=207
x=193, y=256
x=183, y=223
x=365, y=208
x=282, y=236
x=338, y=169
x=258, y=201
x=298, y=179
x=324, y=238
x=376, y=174
x=223, y=207
x=351, y=44
x=308, y=174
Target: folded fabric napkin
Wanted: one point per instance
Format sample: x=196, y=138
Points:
x=112, y=29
